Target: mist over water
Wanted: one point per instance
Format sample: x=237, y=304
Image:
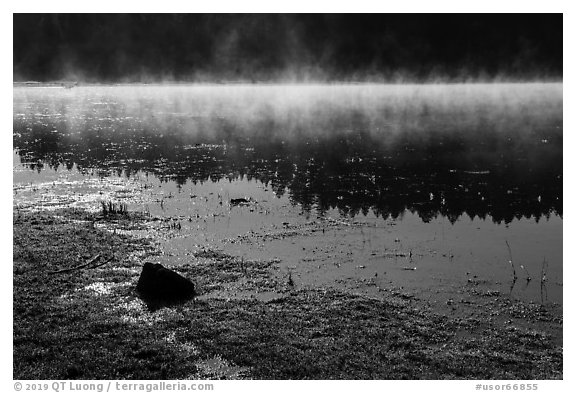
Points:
x=484, y=150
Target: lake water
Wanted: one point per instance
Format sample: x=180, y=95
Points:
x=363, y=187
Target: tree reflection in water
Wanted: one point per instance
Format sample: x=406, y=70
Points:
x=483, y=159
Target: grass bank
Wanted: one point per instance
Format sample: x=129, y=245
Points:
x=88, y=323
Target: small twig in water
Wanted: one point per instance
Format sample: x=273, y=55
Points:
x=511, y=261
x=528, y=277
x=543, y=277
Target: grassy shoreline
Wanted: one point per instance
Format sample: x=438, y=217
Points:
x=90, y=324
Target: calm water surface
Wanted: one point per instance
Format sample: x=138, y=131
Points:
x=434, y=177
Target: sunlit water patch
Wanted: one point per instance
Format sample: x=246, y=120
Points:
x=364, y=187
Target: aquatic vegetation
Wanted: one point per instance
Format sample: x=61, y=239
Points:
x=511, y=262
x=112, y=209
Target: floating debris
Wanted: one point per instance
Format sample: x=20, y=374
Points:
x=239, y=202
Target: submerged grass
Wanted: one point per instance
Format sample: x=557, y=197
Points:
x=112, y=209
x=89, y=323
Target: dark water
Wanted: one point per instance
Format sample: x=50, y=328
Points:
x=491, y=153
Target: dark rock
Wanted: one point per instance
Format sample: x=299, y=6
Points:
x=161, y=284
